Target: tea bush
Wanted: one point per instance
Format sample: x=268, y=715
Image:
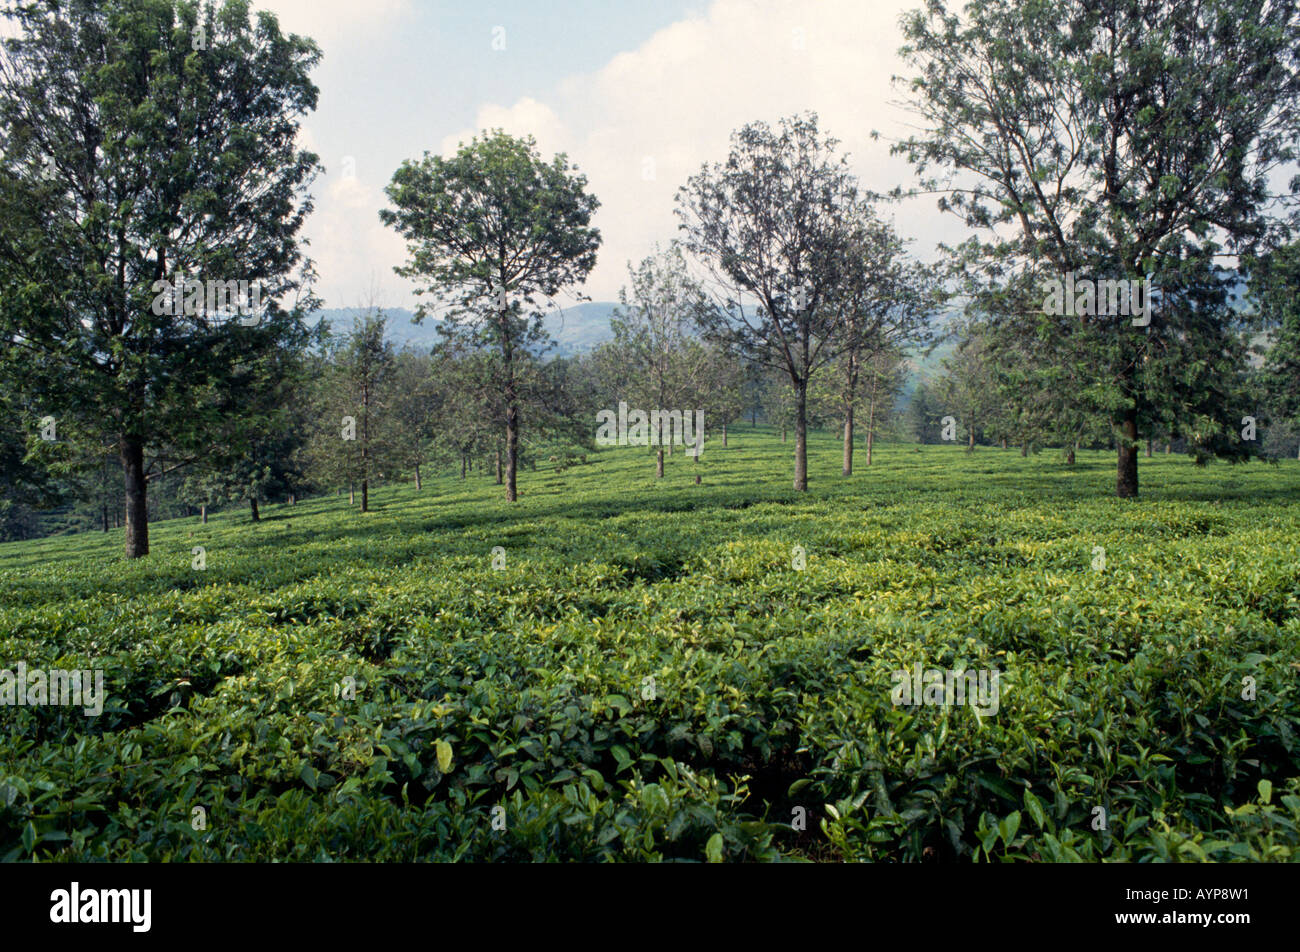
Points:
x=651, y=677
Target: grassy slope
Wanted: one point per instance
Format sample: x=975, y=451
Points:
x=527, y=688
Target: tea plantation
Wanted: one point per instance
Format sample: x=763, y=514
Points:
x=651, y=676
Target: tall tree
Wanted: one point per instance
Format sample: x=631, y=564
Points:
x=967, y=387
x=925, y=411
x=1041, y=367
x=774, y=225
x=259, y=457
x=1275, y=286
x=780, y=402
x=25, y=483
x=415, y=412
x=1121, y=141
x=365, y=365
x=471, y=401
x=346, y=445
x=720, y=378
x=657, y=311
x=491, y=232
x=885, y=303
x=870, y=378
x=142, y=140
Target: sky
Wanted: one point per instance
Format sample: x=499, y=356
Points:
x=639, y=95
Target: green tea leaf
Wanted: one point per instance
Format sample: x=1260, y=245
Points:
x=713, y=849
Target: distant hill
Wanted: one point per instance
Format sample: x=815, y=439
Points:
x=581, y=327
x=574, y=329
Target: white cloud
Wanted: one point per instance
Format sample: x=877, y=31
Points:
x=641, y=125
x=315, y=18
x=525, y=117
x=335, y=19
x=352, y=249
x=638, y=127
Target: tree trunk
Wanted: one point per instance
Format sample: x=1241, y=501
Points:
x=418, y=487
x=1126, y=472
x=871, y=416
x=137, y=503
x=104, y=513
x=498, y=467
x=724, y=436
x=512, y=450
x=293, y=500
x=365, y=453
x=970, y=441
x=782, y=432
x=1148, y=448
x=801, y=438
x=753, y=417
x=659, y=465
x=847, y=468
x=252, y=505
x=1069, y=453
x=352, y=494
x=510, y=394
x=1168, y=448
x=203, y=514
x=1004, y=442
x=1024, y=449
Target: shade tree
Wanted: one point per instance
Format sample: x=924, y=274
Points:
x=492, y=232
